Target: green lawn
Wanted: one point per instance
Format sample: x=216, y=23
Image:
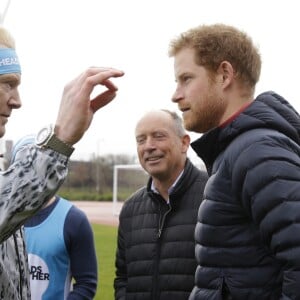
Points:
x=105, y=243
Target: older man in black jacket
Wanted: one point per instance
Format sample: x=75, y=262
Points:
x=155, y=255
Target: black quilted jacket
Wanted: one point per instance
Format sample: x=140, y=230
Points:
x=248, y=229
x=156, y=249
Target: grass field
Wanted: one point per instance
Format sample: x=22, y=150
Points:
x=105, y=243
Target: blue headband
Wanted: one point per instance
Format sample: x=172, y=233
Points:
x=9, y=62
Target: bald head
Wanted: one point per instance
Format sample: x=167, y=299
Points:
x=164, y=115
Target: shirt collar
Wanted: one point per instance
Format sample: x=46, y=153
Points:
x=171, y=188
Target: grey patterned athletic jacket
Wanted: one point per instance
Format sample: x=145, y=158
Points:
x=24, y=187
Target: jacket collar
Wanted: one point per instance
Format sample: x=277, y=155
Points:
x=268, y=110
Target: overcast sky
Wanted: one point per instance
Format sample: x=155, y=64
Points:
x=58, y=39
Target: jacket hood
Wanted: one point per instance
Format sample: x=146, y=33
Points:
x=269, y=110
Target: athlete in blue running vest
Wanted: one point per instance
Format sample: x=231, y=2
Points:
x=60, y=246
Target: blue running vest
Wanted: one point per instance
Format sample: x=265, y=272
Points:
x=48, y=258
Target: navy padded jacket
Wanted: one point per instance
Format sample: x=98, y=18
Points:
x=248, y=229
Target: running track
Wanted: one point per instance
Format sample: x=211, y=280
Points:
x=100, y=212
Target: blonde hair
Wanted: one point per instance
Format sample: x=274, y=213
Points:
x=6, y=39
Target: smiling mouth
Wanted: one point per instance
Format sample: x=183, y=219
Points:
x=153, y=159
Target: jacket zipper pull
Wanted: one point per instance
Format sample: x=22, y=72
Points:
x=159, y=232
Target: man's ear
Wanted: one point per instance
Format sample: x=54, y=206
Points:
x=186, y=140
x=226, y=72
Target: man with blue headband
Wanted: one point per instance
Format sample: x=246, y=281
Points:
x=39, y=168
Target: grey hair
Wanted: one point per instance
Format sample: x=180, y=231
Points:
x=178, y=124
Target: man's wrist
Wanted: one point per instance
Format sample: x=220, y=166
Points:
x=47, y=138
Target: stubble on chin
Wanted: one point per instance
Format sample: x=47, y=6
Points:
x=196, y=123
x=189, y=125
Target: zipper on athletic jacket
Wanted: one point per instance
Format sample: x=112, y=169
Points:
x=162, y=220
